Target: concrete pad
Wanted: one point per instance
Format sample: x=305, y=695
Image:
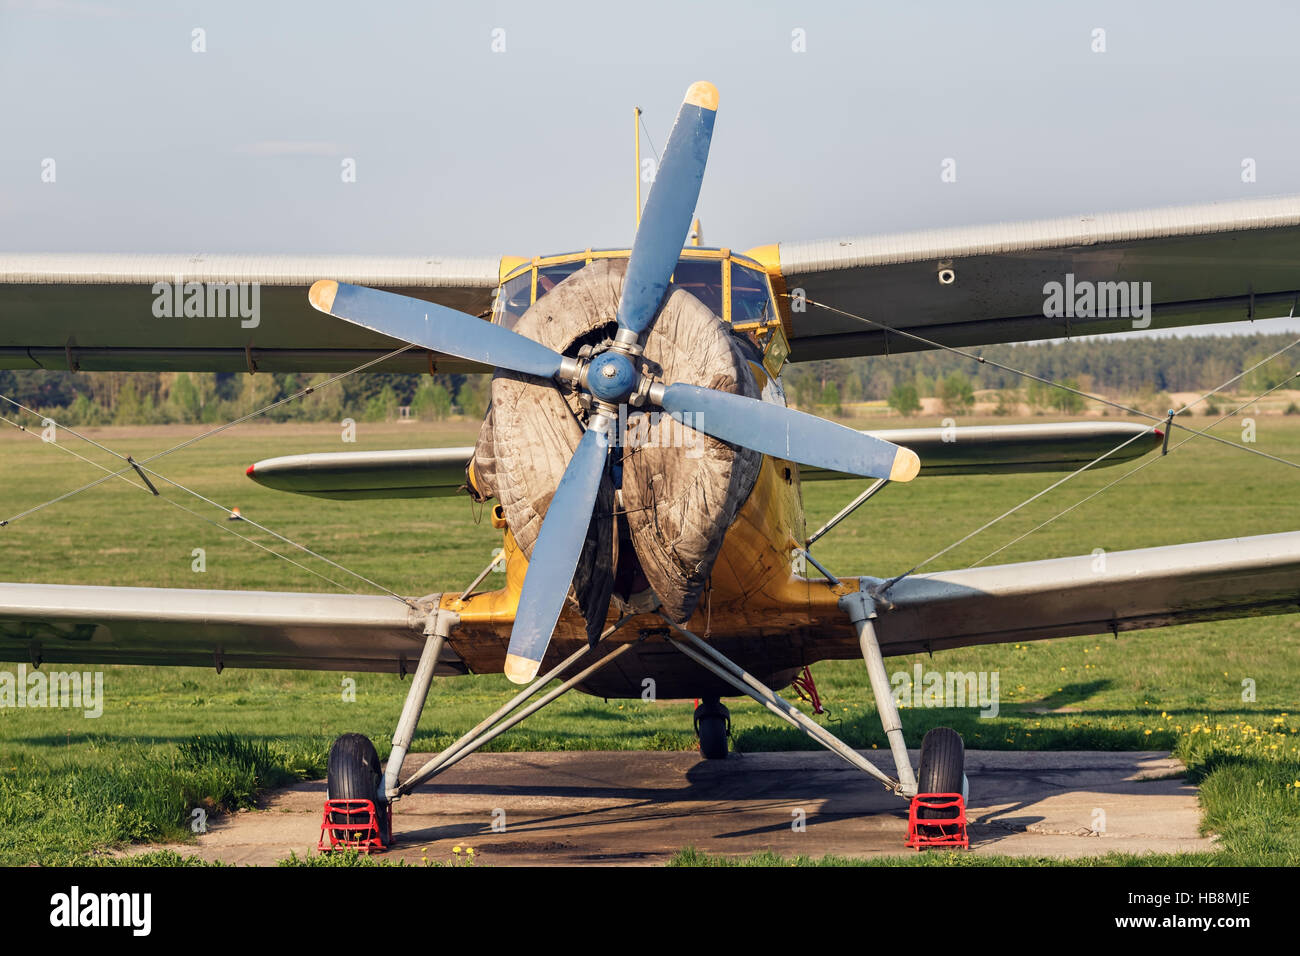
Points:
x=635, y=807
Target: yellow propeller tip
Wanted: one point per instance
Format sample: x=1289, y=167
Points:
x=704, y=95
x=521, y=670
x=906, y=465
x=322, y=294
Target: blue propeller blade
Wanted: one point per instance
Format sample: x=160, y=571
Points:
x=668, y=212
x=784, y=433
x=434, y=327
x=555, y=556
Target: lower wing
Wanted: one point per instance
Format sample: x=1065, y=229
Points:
x=1130, y=590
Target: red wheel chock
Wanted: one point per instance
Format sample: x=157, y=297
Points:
x=950, y=830
x=363, y=835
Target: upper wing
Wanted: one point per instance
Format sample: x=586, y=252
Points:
x=1216, y=262
x=80, y=624
x=1125, y=590
x=223, y=313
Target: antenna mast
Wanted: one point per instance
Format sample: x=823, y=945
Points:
x=637, y=122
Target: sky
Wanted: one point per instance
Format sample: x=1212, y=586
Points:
x=463, y=149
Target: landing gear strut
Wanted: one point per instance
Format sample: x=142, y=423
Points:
x=943, y=757
x=713, y=727
x=354, y=770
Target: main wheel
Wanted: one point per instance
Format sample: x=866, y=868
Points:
x=355, y=774
x=943, y=756
x=713, y=728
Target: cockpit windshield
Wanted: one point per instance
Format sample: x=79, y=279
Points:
x=548, y=277
x=513, y=299
x=702, y=278
x=750, y=299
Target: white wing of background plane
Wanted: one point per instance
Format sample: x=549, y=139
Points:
x=1215, y=262
x=101, y=312
x=967, y=450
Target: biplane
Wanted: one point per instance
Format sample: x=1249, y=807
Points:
x=645, y=466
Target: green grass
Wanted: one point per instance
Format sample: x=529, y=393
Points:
x=960, y=858
x=70, y=786
x=350, y=858
x=57, y=807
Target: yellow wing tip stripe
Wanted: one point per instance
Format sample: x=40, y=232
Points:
x=322, y=294
x=704, y=95
x=906, y=465
x=521, y=670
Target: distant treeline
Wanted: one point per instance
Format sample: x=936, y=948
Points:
x=1111, y=367
x=131, y=398
x=1107, y=366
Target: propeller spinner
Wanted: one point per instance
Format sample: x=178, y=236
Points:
x=614, y=377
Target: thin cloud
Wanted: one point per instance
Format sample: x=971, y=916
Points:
x=70, y=8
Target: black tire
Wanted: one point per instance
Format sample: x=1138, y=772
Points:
x=355, y=774
x=713, y=728
x=943, y=757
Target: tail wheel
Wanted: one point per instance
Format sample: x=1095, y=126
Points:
x=355, y=773
x=713, y=728
x=943, y=757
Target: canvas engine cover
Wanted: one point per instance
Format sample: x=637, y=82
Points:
x=680, y=488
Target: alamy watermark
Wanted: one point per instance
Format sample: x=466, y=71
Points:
x=1085, y=299
x=74, y=908
x=924, y=688
x=65, y=689
x=209, y=300
x=662, y=430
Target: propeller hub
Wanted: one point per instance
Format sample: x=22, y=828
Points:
x=611, y=377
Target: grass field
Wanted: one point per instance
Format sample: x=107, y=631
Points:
x=173, y=739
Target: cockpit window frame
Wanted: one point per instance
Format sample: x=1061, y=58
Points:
x=767, y=333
